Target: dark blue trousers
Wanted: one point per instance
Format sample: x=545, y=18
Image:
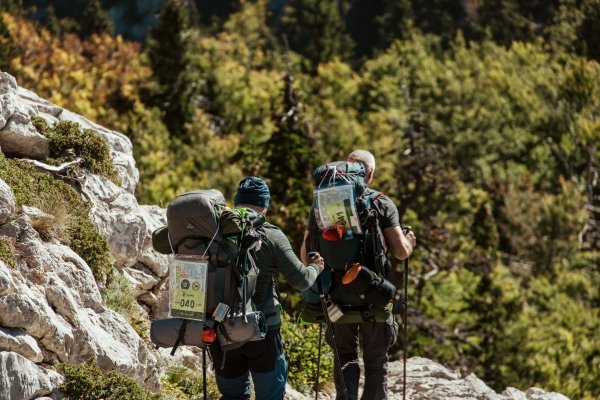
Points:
x=263, y=359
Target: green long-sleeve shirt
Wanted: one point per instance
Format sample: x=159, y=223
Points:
x=276, y=254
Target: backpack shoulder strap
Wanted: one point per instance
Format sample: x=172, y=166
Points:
x=377, y=240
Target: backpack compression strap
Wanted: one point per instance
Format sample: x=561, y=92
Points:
x=378, y=241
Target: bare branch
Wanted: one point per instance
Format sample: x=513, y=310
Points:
x=54, y=169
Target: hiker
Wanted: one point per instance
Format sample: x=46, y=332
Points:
x=375, y=336
x=264, y=359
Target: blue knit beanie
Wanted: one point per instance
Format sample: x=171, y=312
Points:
x=252, y=190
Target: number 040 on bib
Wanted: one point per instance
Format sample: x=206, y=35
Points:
x=187, y=287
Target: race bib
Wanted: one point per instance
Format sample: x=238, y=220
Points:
x=187, y=287
x=335, y=208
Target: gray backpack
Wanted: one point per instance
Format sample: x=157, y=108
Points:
x=199, y=223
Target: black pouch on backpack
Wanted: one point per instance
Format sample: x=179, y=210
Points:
x=160, y=240
x=164, y=332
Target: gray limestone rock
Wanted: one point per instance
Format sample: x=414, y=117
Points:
x=7, y=202
x=20, y=378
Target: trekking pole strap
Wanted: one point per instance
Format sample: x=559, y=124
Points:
x=180, y=336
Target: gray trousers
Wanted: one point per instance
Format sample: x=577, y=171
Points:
x=375, y=338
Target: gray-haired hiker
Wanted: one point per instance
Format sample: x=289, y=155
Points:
x=352, y=241
x=263, y=359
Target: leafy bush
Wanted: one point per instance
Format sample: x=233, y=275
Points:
x=120, y=297
x=44, y=192
x=85, y=240
x=301, y=350
x=183, y=383
x=86, y=381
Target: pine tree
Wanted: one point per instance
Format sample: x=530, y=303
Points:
x=361, y=21
x=51, y=21
x=290, y=161
x=590, y=30
x=505, y=20
x=441, y=17
x=95, y=19
x=13, y=7
x=317, y=30
x=8, y=49
x=394, y=23
x=169, y=51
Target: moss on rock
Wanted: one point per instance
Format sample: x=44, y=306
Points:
x=66, y=141
x=39, y=190
x=7, y=251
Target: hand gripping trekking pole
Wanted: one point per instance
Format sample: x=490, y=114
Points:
x=405, y=326
x=336, y=354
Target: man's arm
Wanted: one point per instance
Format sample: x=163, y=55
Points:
x=402, y=245
x=298, y=275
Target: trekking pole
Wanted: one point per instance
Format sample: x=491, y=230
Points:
x=204, y=372
x=405, y=328
x=336, y=354
x=319, y=361
x=209, y=335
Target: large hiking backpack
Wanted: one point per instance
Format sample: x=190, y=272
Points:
x=343, y=235
x=199, y=224
x=339, y=248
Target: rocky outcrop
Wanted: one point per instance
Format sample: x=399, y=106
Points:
x=21, y=378
x=7, y=202
x=17, y=134
x=51, y=309
x=428, y=380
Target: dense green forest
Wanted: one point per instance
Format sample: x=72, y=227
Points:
x=484, y=117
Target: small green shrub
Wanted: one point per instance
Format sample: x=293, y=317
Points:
x=184, y=383
x=40, y=125
x=119, y=296
x=301, y=350
x=86, y=381
x=66, y=141
x=85, y=240
x=8, y=253
x=72, y=225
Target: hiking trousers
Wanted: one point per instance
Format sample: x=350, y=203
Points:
x=263, y=359
x=376, y=339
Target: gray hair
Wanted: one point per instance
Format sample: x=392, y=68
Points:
x=364, y=157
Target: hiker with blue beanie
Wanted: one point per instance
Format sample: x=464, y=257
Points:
x=264, y=359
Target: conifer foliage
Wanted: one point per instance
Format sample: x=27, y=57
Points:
x=95, y=19
x=169, y=53
x=290, y=158
x=316, y=28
